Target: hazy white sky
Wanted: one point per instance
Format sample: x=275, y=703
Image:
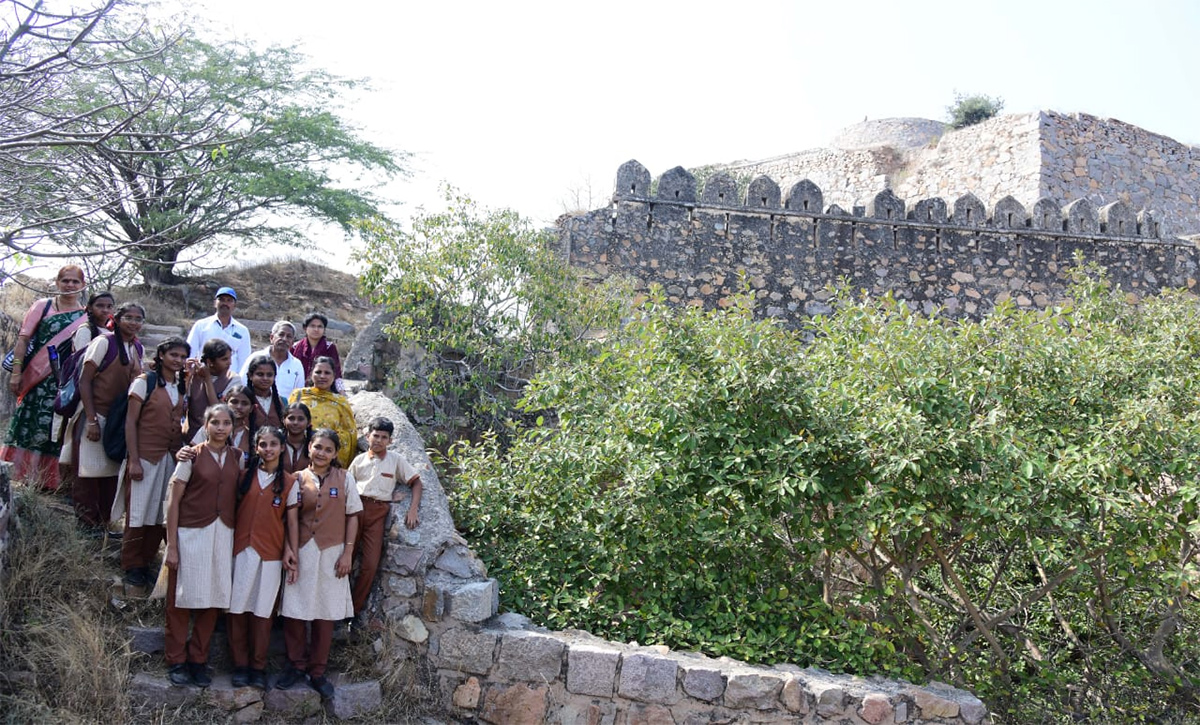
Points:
x=520, y=103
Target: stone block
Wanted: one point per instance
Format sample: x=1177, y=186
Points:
x=433, y=605
x=585, y=713
x=224, y=695
x=972, y=710
x=250, y=713
x=519, y=703
x=406, y=560
x=152, y=690
x=648, y=678
x=148, y=640
x=876, y=709
x=830, y=699
x=647, y=714
x=529, y=656
x=402, y=586
x=793, y=695
x=298, y=703
x=466, y=651
x=934, y=705
x=355, y=699
x=412, y=629
x=703, y=683
x=466, y=695
x=752, y=689
x=473, y=601
x=592, y=670
x=461, y=562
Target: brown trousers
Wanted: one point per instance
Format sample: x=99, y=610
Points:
x=305, y=656
x=180, y=648
x=139, y=547
x=249, y=640
x=94, y=499
x=369, y=548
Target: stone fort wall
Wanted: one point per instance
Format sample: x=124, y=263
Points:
x=1028, y=156
x=960, y=257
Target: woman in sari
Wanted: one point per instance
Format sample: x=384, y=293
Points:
x=314, y=344
x=329, y=409
x=49, y=321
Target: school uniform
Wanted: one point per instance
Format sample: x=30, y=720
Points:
x=294, y=458
x=267, y=411
x=319, y=595
x=239, y=439
x=258, y=543
x=198, y=401
x=377, y=479
x=203, y=584
x=160, y=436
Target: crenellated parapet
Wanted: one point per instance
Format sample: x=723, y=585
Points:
x=720, y=191
x=960, y=257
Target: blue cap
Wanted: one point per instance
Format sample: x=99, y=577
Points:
x=226, y=291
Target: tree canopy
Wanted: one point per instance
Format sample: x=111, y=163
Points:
x=191, y=144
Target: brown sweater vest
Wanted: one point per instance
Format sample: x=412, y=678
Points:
x=294, y=463
x=323, y=508
x=260, y=518
x=265, y=417
x=212, y=491
x=198, y=401
x=114, y=380
x=158, y=425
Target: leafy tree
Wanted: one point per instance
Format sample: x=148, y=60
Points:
x=968, y=110
x=1010, y=505
x=489, y=301
x=235, y=145
x=44, y=47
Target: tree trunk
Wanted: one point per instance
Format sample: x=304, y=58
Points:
x=158, y=268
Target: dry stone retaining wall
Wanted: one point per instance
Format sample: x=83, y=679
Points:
x=440, y=607
x=960, y=257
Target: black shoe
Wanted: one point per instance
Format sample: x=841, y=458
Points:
x=149, y=576
x=134, y=577
x=289, y=678
x=258, y=679
x=178, y=675
x=240, y=677
x=200, y=676
x=323, y=686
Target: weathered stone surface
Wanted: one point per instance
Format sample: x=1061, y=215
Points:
x=830, y=699
x=461, y=562
x=529, y=656
x=519, y=703
x=876, y=709
x=224, y=695
x=649, y=714
x=250, y=713
x=464, y=650
x=592, y=670
x=933, y=705
x=412, y=629
x=406, y=560
x=148, y=640
x=466, y=695
x=150, y=690
x=402, y=586
x=752, y=689
x=648, y=678
x=577, y=712
x=297, y=703
x=473, y=601
x=433, y=604
x=703, y=683
x=354, y=699
x=793, y=695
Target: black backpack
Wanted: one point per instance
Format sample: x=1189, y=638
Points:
x=113, y=437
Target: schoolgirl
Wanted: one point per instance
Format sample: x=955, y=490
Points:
x=268, y=406
x=297, y=422
x=210, y=378
x=318, y=592
x=200, y=522
x=110, y=363
x=153, y=435
x=240, y=400
x=330, y=409
x=267, y=497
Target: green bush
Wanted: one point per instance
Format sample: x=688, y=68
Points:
x=970, y=110
x=1009, y=505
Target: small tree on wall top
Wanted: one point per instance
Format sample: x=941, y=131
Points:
x=968, y=110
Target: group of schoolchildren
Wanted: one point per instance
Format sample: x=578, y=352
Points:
x=259, y=512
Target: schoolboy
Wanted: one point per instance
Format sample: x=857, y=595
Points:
x=377, y=472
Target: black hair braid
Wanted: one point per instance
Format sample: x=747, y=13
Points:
x=275, y=401
x=251, y=473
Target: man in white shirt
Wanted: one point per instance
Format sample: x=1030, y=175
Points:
x=289, y=371
x=224, y=326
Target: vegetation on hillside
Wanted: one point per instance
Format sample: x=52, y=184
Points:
x=1009, y=505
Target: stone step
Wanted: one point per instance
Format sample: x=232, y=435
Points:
x=150, y=691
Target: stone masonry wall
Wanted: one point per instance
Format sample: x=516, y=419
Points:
x=845, y=175
x=434, y=605
x=962, y=257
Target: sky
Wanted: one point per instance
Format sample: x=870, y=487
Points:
x=534, y=105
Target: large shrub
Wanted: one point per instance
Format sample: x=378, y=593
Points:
x=1009, y=505
x=968, y=110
